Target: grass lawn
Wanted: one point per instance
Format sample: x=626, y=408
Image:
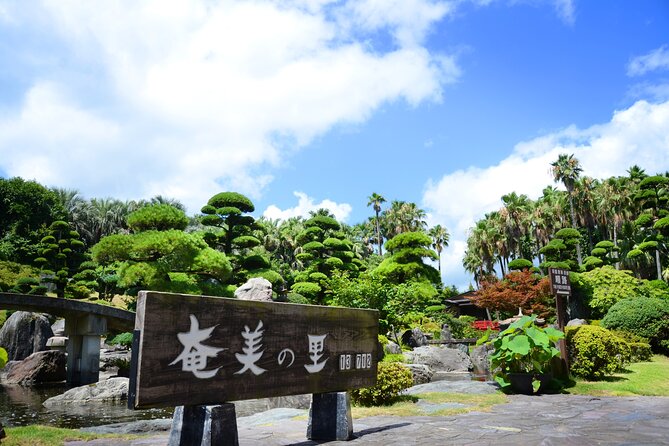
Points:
x=641, y=378
x=407, y=406
x=49, y=436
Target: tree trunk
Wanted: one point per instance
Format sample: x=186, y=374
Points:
x=378, y=233
x=658, y=264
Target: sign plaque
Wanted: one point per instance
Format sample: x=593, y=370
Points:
x=197, y=350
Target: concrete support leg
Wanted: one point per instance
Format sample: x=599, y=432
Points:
x=83, y=348
x=204, y=426
x=330, y=417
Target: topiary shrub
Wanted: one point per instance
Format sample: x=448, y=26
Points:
x=295, y=298
x=391, y=379
x=646, y=317
x=306, y=289
x=595, y=352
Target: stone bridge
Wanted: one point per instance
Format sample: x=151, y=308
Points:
x=85, y=323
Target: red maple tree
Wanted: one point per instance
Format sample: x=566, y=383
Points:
x=518, y=289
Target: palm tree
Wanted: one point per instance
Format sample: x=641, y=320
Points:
x=515, y=217
x=159, y=199
x=567, y=170
x=440, y=238
x=375, y=200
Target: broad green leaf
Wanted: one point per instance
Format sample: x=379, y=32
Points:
x=553, y=333
x=535, y=385
x=538, y=336
x=501, y=381
x=520, y=345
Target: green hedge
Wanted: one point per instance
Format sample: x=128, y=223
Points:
x=645, y=317
x=595, y=352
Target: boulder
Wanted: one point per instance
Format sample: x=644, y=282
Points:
x=25, y=333
x=440, y=358
x=392, y=348
x=414, y=338
x=464, y=348
x=40, y=367
x=421, y=373
x=480, y=357
x=257, y=289
x=446, y=334
x=113, y=389
x=576, y=322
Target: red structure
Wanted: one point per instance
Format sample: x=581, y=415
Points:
x=486, y=325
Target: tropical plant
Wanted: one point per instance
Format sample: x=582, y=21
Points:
x=375, y=200
x=567, y=170
x=523, y=348
x=440, y=238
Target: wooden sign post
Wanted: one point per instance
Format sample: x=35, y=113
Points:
x=197, y=350
x=561, y=289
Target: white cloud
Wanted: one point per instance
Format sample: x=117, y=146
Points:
x=409, y=19
x=658, y=59
x=637, y=135
x=305, y=205
x=192, y=98
x=565, y=10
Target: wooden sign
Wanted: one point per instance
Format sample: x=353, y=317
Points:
x=209, y=350
x=560, y=281
x=561, y=289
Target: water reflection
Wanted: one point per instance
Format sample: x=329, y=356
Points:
x=21, y=406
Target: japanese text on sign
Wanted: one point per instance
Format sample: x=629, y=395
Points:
x=560, y=281
x=195, y=354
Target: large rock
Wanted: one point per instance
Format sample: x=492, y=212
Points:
x=392, y=348
x=25, y=333
x=113, y=389
x=440, y=358
x=414, y=338
x=421, y=373
x=577, y=322
x=257, y=289
x=40, y=367
x=480, y=357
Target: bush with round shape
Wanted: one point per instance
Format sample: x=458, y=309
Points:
x=391, y=379
x=520, y=264
x=645, y=316
x=595, y=352
x=307, y=289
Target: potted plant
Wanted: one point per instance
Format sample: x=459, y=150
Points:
x=523, y=354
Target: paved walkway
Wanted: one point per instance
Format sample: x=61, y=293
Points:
x=526, y=420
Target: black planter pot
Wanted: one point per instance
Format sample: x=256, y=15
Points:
x=522, y=382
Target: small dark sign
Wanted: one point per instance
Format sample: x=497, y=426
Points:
x=209, y=350
x=560, y=281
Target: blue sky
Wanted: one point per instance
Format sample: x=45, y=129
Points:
x=302, y=104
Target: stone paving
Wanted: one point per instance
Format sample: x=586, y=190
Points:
x=525, y=420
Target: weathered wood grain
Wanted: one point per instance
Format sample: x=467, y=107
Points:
x=161, y=317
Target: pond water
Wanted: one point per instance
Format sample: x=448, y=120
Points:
x=21, y=406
